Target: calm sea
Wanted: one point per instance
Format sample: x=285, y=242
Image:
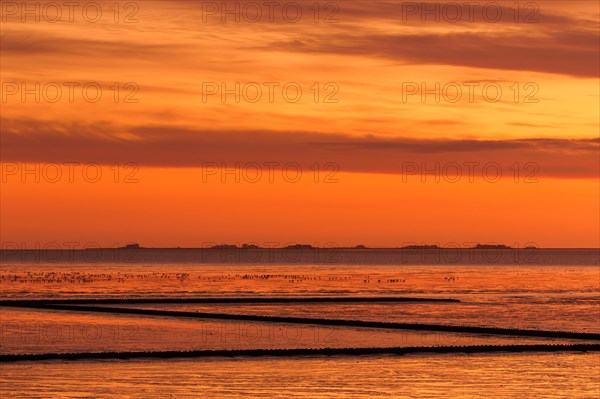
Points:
x=527, y=288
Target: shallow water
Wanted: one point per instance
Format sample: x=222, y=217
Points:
x=40, y=331
x=522, y=296
x=182, y=279
x=533, y=375
x=548, y=312
x=561, y=295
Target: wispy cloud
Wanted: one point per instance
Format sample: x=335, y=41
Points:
x=566, y=52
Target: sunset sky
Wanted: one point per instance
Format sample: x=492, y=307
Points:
x=332, y=111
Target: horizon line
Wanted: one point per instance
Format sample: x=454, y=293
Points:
x=296, y=246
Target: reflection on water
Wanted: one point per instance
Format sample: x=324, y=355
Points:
x=561, y=296
x=440, y=376
x=40, y=331
x=547, y=312
x=531, y=297
x=178, y=279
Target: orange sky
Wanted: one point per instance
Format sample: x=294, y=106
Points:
x=517, y=92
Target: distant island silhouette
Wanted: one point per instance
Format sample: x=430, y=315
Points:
x=492, y=246
x=308, y=246
x=130, y=246
x=421, y=247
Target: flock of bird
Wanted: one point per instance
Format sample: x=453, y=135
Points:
x=74, y=277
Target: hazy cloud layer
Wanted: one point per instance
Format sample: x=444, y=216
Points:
x=38, y=141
